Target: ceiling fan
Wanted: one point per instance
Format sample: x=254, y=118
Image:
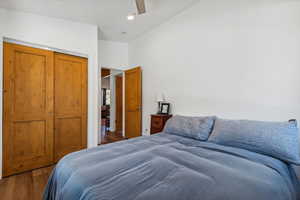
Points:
x=141, y=9
x=140, y=5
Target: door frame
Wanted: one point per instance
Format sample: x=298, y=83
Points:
x=123, y=100
x=93, y=99
x=122, y=71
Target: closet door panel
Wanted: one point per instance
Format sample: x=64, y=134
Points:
x=68, y=90
x=68, y=135
x=28, y=108
x=70, y=104
x=28, y=139
x=29, y=84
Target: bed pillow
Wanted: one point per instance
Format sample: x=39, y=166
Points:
x=198, y=128
x=277, y=139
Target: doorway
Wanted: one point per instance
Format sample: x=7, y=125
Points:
x=121, y=104
x=111, y=105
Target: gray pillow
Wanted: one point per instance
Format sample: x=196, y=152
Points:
x=277, y=139
x=194, y=127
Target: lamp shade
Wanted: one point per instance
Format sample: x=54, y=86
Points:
x=160, y=98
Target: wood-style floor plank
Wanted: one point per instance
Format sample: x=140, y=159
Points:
x=7, y=188
x=111, y=137
x=29, y=185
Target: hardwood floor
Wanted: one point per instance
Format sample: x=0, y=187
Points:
x=30, y=185
x=26, y=186
x=111, y=137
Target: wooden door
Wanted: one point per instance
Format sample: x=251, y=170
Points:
x=133, y=102
x=70, y=104
x=28, y=108
x=119, y=103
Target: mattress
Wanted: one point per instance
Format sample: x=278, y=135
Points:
x=169, y=167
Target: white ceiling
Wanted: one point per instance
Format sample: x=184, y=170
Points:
x=109, y=15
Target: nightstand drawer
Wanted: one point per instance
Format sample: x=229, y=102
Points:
x=157, y=122
x=155, y=130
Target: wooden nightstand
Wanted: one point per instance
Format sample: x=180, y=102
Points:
x=158, y=123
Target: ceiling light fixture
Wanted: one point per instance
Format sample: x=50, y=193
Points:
x=131, y=17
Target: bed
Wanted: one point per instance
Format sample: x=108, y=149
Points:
x=171, y=167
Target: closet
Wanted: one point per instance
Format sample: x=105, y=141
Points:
x=44, y=107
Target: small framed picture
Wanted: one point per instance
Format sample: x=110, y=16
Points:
x=165, y=108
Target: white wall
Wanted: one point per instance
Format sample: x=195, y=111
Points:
x=113, y=54
x=233, y=59
x=61, y=34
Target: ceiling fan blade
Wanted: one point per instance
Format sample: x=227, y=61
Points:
x=140, y=4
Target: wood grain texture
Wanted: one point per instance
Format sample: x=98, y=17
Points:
x=133, y=102
x=119, y=103
x=70, y=104
x=29, y=185
x=28, y=108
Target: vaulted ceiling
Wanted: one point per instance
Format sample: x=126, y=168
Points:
x=109, y=15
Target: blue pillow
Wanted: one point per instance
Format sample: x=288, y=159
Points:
x=198, y=128
x=276, y=139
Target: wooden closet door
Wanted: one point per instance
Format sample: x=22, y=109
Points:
x=28, y=108
x=70, y=104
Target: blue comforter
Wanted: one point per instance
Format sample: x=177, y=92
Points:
x=169, y=167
